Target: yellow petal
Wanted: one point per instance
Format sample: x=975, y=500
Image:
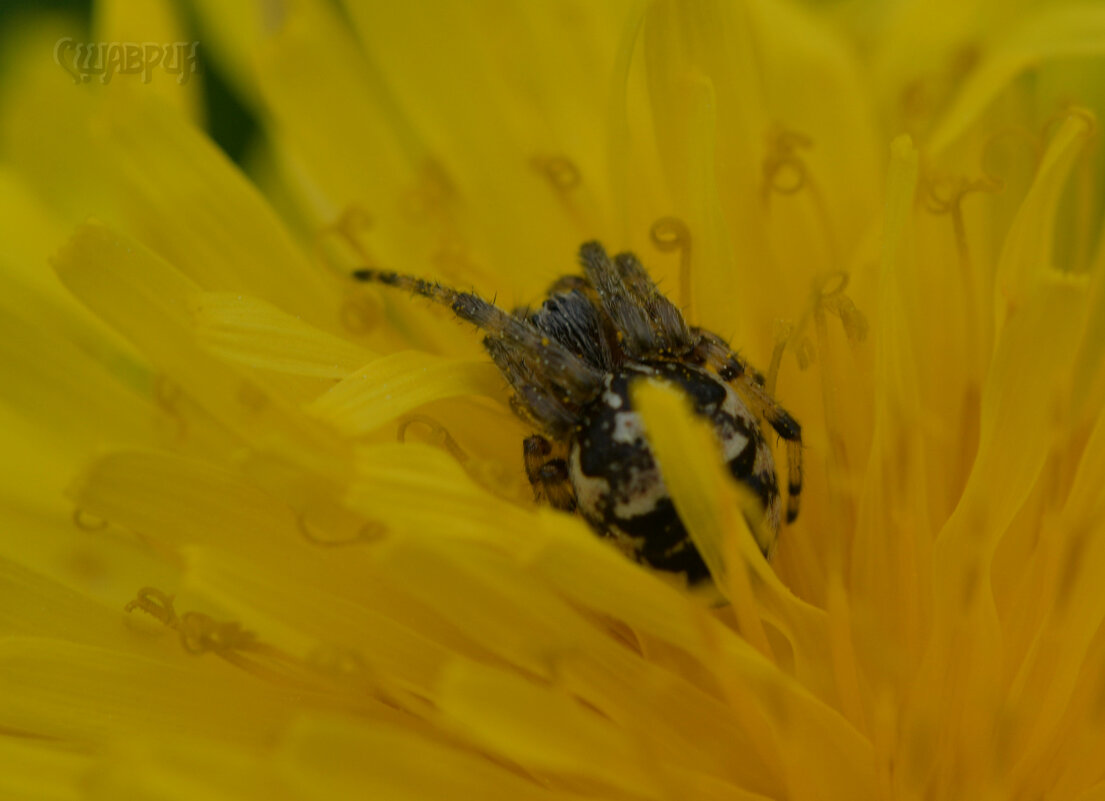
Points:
x=1049, y=32
x=179, y=768
x=88, y=693
x=393, y=385
x=336, y=757
x=36, y=769
x=545, y=730
x=548, y=180
x=147, y=301
x=1027, y=252
x=890, y=550
x=711, y=506
x=168, y=50
x=254, y=333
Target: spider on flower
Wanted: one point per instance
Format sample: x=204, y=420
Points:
x=570, y=364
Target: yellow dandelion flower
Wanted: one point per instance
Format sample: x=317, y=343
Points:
x=267, y=529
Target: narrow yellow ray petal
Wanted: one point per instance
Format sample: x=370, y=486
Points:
x=685, y=99
x=348, y=127
x=484, y=597
x=42, y=770
x=711, y=506
x=430, y=56
x=329, y=612
x=87, y=694
x=147, y=301
x=342, y=758
x=177, y=500
x=479, y=590
x=34, y=234
x=1018, y=405
x=155, y=26
x=726, y=94
x=1074, y=610
x=1088, y=390
x=675, y=437
x=1095, y=793
x=1048, y=33
x=60, y=407
x=198, y=510
x=707, y=788
x=152, y=163
x=254, y=333
x=232, y=33
x=821, y=753
x=35, y=605
x=542, y=729
x=891, y=541
x=186, y=768
x=424, y=492
x=1027, y=252
x=388, y=387
x=593, y=574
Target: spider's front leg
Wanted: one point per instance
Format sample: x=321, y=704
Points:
x=750, y=384
x=547, y=469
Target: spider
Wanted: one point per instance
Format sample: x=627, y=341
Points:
x=570, y=364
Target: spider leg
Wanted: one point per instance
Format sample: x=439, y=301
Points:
x=547, y=470
x=648, y=323
x=750, y=383
x=549, y=377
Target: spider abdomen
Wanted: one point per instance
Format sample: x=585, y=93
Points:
x=618, y=485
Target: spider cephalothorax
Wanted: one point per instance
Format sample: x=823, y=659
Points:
x=570, y=364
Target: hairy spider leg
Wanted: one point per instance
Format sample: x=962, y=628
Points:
x=649, y=325
x=547, y=377
x=731, y=367
x=547, y=470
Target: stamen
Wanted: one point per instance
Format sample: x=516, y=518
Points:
x=833, y=300
x=337, y=661
x=167, y=396
x=361, y=312
x=431, y=193
x=200, y=633
x=348, y=230
x=436, y=432
x=86, y=521
x=453, y=259
x=155, y=603
x=945, y=196
x=784, y=171
x=989, y=148
x=560, y=171
x=369, y=531
x=671, y=233
x=805, y=352
x=925, y=95
x=828, y=296
x=783, y=332
x=489, y=474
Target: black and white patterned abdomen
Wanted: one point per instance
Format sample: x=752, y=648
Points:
x=618, y=486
